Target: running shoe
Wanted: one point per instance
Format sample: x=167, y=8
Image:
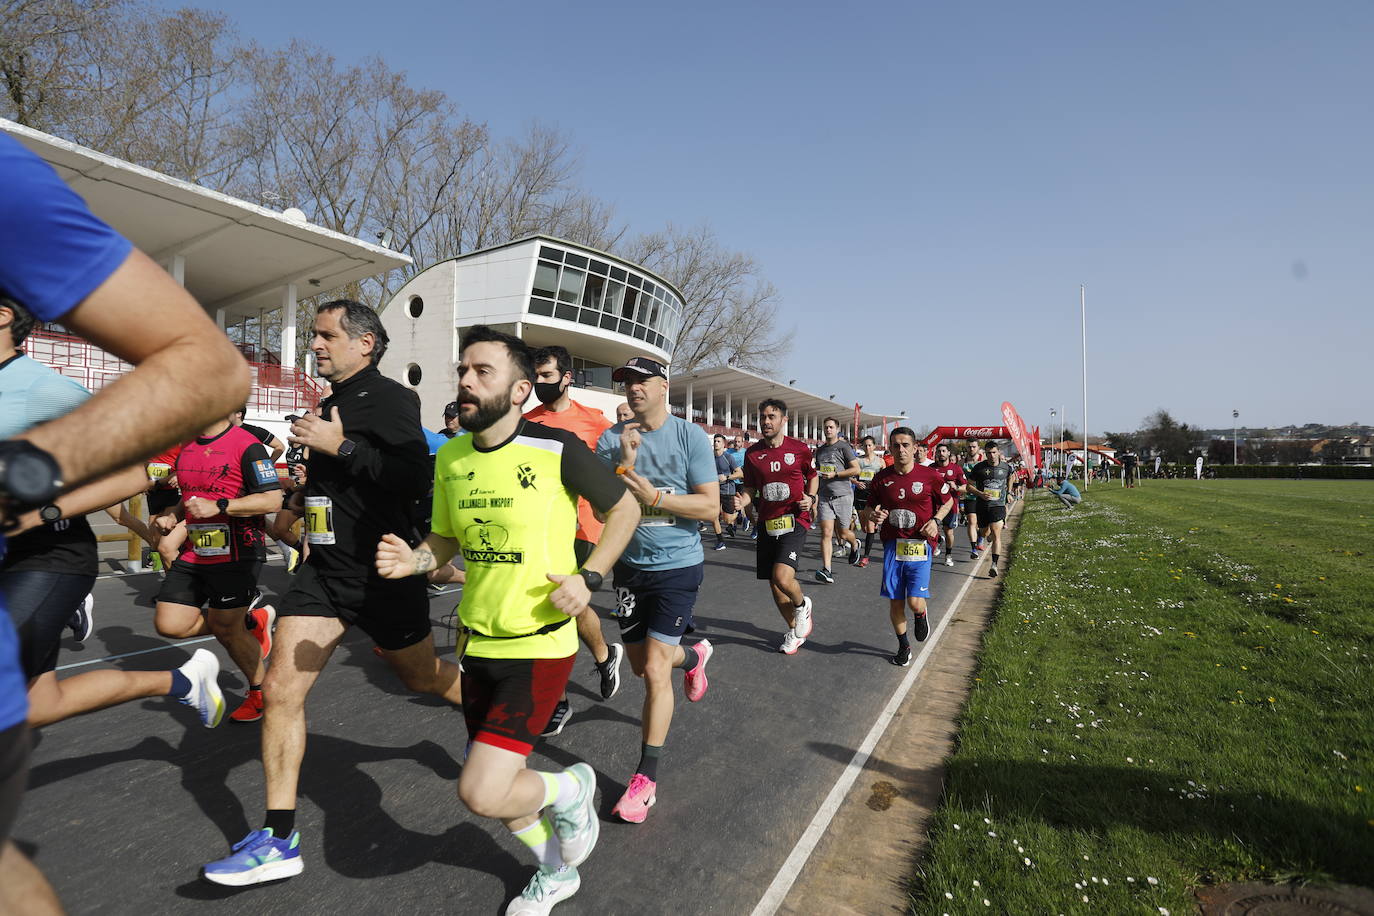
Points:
x=863, y=563
x=801, y=619
x=256, y=858
x=610, y=670
x=695, y=683
x=791, y=642
x=83, y=620
x=949, y=559
x=260, y=620
x=561, y=714
x=903, y=657
x=205, y=697
x=921, y=628
x=634, y=805
x=973, y=554
x=576, y=823
x=548, y=887
x=720, y=545
x=992, y=573
x=250, y=710
x=937, y=551
x=824, y=575
x=854, y=558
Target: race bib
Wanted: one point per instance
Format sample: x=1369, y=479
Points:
x=993, y=493
x=827, y=469
x=779, y=526
x=865, y=475
x=910, y=550
x=209, y=540
x=656, y=516
x=319, y=520
x=158, y=472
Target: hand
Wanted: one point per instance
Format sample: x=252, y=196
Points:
x=572, y=595
x=172, y=482
x=933, y=526
x=878, y=516
x=297, y=472
x=395, y=559
x=164, y=522
x=296, y=503
x=323, y=434
x=806, y=502
x=629, y=444
x=640, y=487
x=827, y=475
x=739, y=503
x=196, y=507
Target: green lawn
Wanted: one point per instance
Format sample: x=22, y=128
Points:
x=1177, y=690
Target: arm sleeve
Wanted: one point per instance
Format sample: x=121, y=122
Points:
x=53, y=251
x=701, y=458
x=587, y=477
x=400, y=464
x=259, y=473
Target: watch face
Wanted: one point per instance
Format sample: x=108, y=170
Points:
x=29, y=478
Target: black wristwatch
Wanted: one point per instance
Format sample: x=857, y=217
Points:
x=29, y=476
x=50, y=513
x=222, y=504
x=346, y=448
x=593, y=579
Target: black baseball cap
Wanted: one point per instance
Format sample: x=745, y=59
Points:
x=641, y=366
x=451, y=409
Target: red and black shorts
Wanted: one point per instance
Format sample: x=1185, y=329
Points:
x=507, y=702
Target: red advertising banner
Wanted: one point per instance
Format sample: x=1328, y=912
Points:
x=1017, y=431
x=965, y=432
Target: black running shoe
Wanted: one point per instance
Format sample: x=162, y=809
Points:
x=610, y=671
x=992, y=572
x=561, y=714
x=921, y=628
x=903, y=657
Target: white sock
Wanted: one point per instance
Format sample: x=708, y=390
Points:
x=542, y=841
x=559, y=789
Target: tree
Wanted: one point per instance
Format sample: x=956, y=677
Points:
x=1122, y=441
x=1166, y=437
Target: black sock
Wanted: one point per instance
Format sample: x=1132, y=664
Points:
x=868, y=543
x=690, y=658
x=994, y=559
x=253, y=687
x=903, y=641
x=281, y=821
x=648, y=760
x=181, y=684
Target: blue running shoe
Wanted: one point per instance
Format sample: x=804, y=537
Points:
x=256, y=858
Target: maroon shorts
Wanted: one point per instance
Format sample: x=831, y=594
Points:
x=507, y=702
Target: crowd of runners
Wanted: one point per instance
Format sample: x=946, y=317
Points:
x=532, y=513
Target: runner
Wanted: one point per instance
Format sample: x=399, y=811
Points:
x=507, y=497
x=869, y=465
x=557, y=410
x=623, y=413
x=739, y=445
x=451, y=425
x=954, y=476
x=667, y=466
x=63, y=264
x=780, y=481
x=909, y=502
x=728, y=474
x=988, y=481
x=969, y=508
x=368, y=464
x=275, y=447
x=838, y=468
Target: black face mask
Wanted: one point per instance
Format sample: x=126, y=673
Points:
x=548, y=392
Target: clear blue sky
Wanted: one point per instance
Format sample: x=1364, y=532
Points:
x=927, y=184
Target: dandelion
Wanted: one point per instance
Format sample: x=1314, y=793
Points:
x=976, y=884
x=987, y=902
x=948, y=895
x=956, y=826
x=1027, y=861
x=991, y=834
x=1152, y=881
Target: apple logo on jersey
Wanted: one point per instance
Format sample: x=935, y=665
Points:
x=483, y=542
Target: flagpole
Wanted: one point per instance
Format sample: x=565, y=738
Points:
x=1083, y=312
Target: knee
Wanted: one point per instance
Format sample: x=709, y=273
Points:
x=657, y=672
x=419, y=681
x=479, y=797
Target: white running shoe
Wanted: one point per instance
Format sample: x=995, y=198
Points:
x=801, y=620
x=791, y=642
x=576, y=823
x=549, y=886
x=949, y=560
x=205, y=697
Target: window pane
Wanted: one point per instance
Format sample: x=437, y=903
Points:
x=649, y=288
x=636, y=282
x=618, y=273
x=541, y=307
x=614, y=297
x=654, y=313
x=643, y=311
x=625, y=326
x=640, y=331
x=570, y=288
x=546, y=279
x=566, y=312
x=600, y=267
x=608, y=322
x=553, y=254
x=575, y=260
x=627, y=308
x=588, y=316
x=591, y=297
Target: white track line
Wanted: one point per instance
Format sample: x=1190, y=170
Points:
x=110, y=658
x=796, y=861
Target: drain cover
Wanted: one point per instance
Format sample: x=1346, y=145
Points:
x=1285, y=900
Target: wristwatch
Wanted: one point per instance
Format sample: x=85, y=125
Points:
x=50, y=513
x=346, y=448
x=29, y=476
x=222, y=504
x=593, y=579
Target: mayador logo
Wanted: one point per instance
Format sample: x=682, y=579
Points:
x=789, y=458
x=525, y=474
x=484, y=542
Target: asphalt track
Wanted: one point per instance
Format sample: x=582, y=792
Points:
x=125, y=804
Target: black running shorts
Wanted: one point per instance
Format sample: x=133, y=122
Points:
x=771, y=551
x=394, y=612
x=989, y=514
x=221, y=586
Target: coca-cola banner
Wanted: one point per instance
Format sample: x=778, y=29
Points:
x=966, y=432
x=1017, y=431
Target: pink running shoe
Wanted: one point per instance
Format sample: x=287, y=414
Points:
x=634, y=805
x=695, y=683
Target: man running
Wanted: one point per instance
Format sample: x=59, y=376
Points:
x=227, y=485
x=739, y=445
x=953, y=474
x=838, y=468
x=368, y=465
x=870, y=463
x=909, y=503
x=667, y=466
x=969, y=507
x=506, y=496
x=553, y=379
x=988, y=481
x=780, y=481
x=728, y=474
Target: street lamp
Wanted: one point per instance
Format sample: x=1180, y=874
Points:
x=1235, y=416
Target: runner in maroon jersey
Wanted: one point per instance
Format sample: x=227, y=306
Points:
x=782, y=484
x=909, y=502
x=227, y=483
x=953, y=472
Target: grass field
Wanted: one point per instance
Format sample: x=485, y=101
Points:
x=1177, y=690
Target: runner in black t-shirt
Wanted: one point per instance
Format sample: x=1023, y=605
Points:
x=989, y=481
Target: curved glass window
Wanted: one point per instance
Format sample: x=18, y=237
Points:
x=582, y=289
x=570, y=287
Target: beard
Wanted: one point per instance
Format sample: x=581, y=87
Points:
x=487, y=412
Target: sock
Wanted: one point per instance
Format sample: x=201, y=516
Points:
x=281, y=821
x=542, y=841
x=648, y=760
x=181, y=685
x=559, y=789
x=255, y=688
x=868, y=543
x=994, y=559
x=903, y=641
x=690, y=658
